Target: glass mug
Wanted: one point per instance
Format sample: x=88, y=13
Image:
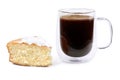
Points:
x=76, y=34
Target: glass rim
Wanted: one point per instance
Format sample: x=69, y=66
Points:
x=77, y=10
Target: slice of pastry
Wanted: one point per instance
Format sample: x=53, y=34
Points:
x=29, y=51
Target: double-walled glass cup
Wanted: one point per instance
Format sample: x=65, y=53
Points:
x=76, y=34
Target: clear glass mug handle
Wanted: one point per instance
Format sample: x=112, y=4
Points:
x=110, y=29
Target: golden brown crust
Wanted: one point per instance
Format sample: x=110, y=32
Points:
x=25, y=54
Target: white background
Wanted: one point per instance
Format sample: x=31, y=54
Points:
x=19, y=18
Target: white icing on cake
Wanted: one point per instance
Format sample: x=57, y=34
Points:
x=36, y=40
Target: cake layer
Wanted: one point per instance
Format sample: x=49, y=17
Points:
x=29, y=52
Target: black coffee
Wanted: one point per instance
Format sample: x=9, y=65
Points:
x=76, y=34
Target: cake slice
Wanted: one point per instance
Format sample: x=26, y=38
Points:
x=29, y=51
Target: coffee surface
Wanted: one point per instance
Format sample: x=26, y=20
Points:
x=76, y=34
